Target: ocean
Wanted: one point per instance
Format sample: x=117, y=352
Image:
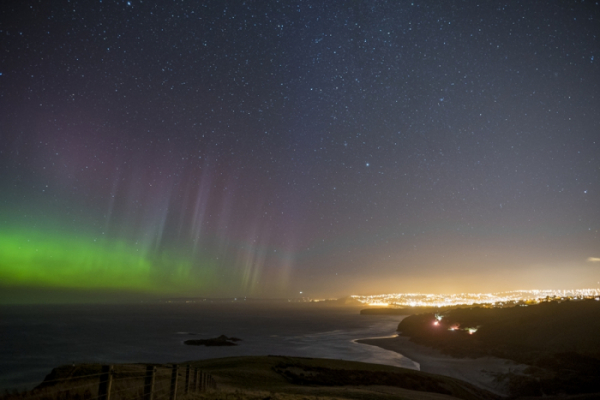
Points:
x=35, y=339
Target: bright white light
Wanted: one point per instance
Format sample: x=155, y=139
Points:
x=378, y=304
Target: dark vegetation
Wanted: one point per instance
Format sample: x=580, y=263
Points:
x=259, y=378
x=81, y=381
x=299, y=373
x=328, y=378
x=218, y=341
x=560, y=341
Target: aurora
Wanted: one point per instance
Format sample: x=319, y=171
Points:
x=36, y=258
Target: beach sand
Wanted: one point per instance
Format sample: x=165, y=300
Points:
x=481, y=372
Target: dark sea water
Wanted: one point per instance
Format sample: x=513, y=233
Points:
x=34, y=339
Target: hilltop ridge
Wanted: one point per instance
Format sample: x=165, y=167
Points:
x=559, y=340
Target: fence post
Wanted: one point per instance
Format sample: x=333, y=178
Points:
x=149, y=382
x=187, y=379
x=195, y=384
x=174, y=382
x=105, y=382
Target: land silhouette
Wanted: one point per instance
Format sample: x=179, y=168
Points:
x=558, y=341
x=266, y=377
x=549, y=350
x=218, y=341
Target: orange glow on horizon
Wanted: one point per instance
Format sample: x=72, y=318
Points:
x=449, y=299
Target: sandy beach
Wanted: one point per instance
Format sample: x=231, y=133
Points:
x=481, y=372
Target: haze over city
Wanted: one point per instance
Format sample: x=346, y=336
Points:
x=270, y=148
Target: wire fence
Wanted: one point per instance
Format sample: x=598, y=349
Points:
x=120, y=382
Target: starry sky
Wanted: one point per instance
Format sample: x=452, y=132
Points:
x=267, y=148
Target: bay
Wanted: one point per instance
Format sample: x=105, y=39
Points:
x=35, y=339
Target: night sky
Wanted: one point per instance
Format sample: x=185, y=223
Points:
x=268, y=148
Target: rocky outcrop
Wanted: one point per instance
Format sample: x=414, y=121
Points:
x=218, y=341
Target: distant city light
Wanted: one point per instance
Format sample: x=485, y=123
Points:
x=445, y=300
x=378, y=304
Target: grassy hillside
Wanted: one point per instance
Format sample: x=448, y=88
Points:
x=261, y=378
x=334, y=378
x=560, y=340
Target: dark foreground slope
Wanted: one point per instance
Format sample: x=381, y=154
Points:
x=336, y=378
x=561, y=341
x=259, y=378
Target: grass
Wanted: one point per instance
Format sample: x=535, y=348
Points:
x=263, y=378
x=326, y=378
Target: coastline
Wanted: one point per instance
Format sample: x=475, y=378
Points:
x=481, y=372
x=155, y=334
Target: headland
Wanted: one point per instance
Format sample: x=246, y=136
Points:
x=550, y=348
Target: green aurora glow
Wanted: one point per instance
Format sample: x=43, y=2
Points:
x=39, y=259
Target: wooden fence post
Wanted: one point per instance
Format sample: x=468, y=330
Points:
x=149, y=382
x=195, y=384
x=187, y=379
x=105, y=382
x=174, y=382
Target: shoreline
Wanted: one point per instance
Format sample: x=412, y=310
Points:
x=481, y=372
